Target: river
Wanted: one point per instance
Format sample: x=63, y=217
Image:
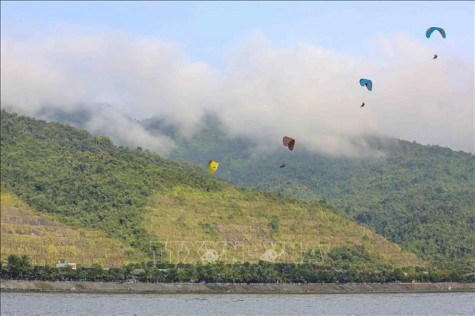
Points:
x=21, y=303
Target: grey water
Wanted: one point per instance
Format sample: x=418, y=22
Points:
x=237, y=304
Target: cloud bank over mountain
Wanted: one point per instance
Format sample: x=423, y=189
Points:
x=264, y=91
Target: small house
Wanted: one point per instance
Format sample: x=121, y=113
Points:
x=65, y=264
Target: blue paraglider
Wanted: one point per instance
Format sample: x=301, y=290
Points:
x=431, y=30
x=368, y=84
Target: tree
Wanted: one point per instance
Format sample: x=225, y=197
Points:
x=18, y=267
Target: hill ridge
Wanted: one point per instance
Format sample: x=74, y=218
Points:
x=86, y=181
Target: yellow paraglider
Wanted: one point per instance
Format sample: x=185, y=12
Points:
x=213, y=166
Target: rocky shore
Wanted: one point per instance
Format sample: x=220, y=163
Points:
x=142, y=288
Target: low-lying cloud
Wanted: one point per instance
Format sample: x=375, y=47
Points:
x=265, y=92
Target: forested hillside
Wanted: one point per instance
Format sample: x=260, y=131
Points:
x=86, y=180
x=418, y=196
x=160, y=206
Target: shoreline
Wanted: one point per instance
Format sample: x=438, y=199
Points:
x=237, y=288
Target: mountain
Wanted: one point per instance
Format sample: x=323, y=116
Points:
x=85, y=179
x=170, y=211
x=420, y=197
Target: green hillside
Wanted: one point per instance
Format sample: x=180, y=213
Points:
x=168, y=209
x=238, y=225
x=86, y=180
x=418, y=196
x=25, y=232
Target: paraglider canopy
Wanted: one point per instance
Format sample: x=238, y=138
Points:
x=213, y=166
x=289, y=142
x=431, y=30
x=366, y=82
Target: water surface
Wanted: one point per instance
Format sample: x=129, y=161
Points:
x=238, y=304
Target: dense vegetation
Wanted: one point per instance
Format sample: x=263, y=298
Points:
x=86, y=180
x=139, y=197
x=341, y=270
x=418, y=196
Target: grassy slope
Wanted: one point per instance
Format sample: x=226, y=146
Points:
x=44, y=241
x=235, y=225
x=86, y=180
x=418, y=196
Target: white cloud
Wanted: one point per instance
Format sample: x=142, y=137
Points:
x=125, y=131
x=266, y=92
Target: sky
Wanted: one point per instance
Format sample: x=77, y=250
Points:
x=268, y=69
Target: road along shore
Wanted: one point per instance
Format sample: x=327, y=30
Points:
x=255, y=288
